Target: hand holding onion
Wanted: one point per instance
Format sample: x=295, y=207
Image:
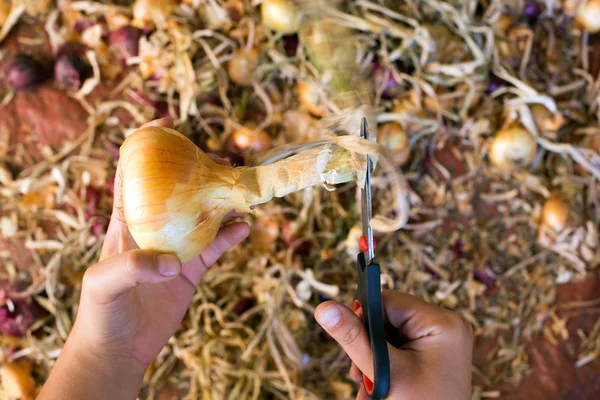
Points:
x=175, y=196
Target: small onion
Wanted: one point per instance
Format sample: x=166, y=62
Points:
x=126, y=40
x=512, y=147
x=394, y=138
x=151, y=11
x=588, y=15
x=71, y=70
x=312, y=98
x=24, y=72
x=280, y=15
x=249, y=139
x=264, y=233
x=242, y=66
x=555, y=213
x=546, y=120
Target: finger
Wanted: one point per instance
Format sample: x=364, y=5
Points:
x=355, y=373
x=348, y=330
x=116, y=275
x=362, y=393
x=231, y=216
x=417, y=319
x=117, y=240
x=227, y=237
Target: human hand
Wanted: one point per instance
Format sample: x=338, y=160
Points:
x=132, y=302
x=433, y=357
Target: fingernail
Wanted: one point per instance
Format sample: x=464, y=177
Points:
x=168, y=265
x=329, y=317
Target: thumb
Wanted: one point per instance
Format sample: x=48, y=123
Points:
x=348, y=330
x=118, y=274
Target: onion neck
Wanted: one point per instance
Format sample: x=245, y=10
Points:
x=328, y=164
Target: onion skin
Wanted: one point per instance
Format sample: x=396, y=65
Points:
x=555, y=213
x=588, y=15
x=511, y=148
x=280, y=16
x=175, y=196
x=242, y=66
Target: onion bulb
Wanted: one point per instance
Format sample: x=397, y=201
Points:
x=588, y=15
x=280, y=15
x=264, y=233
x=395, y=139
x=512, y=147
x=545, y=119
x=242, y=66
x=175, y=196
x=312, y=98
x=249, y=139
x=16, y=380
x=152, y=11
x=555, y=213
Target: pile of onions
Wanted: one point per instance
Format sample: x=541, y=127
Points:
x=512, y=147
x=395, y=139
x=251, y=139
x=280, y=15
x=175, y=196
x=555, y=213
x=588, y=15
x=242, y=66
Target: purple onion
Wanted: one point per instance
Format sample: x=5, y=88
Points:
x=243, y=305
x=71, y=70
x=16, y=323
x=291, y=42
x=24, y=73
x=83, y=24
x=126, y=40
x=494, y=83
x=487, y=277
x=532, y=10
x=383, y=76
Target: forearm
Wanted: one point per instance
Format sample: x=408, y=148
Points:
x=81, y=374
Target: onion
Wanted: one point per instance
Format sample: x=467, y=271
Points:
x=512, y=147
x=384, y=80
x=126, y=40
x=242, y=66
x=264, y=233
x=246, y=138
x=395, y=139
x=546, y=120
x=555, y=213
x=312, y=98
x=24, y=72
x=532, y=10
x=299, y=126
x=280, y=15
x=152, y=11
x=17, y=382
x=588, y=15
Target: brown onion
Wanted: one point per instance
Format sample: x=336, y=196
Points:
x=264, y=233
x=242, y=66
x=249, y=139
x=546, y=120
x=312, y=98
x=394, y=138
x=280, y=15
x=555, y=213
x=588, y=15
x=512, y=147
